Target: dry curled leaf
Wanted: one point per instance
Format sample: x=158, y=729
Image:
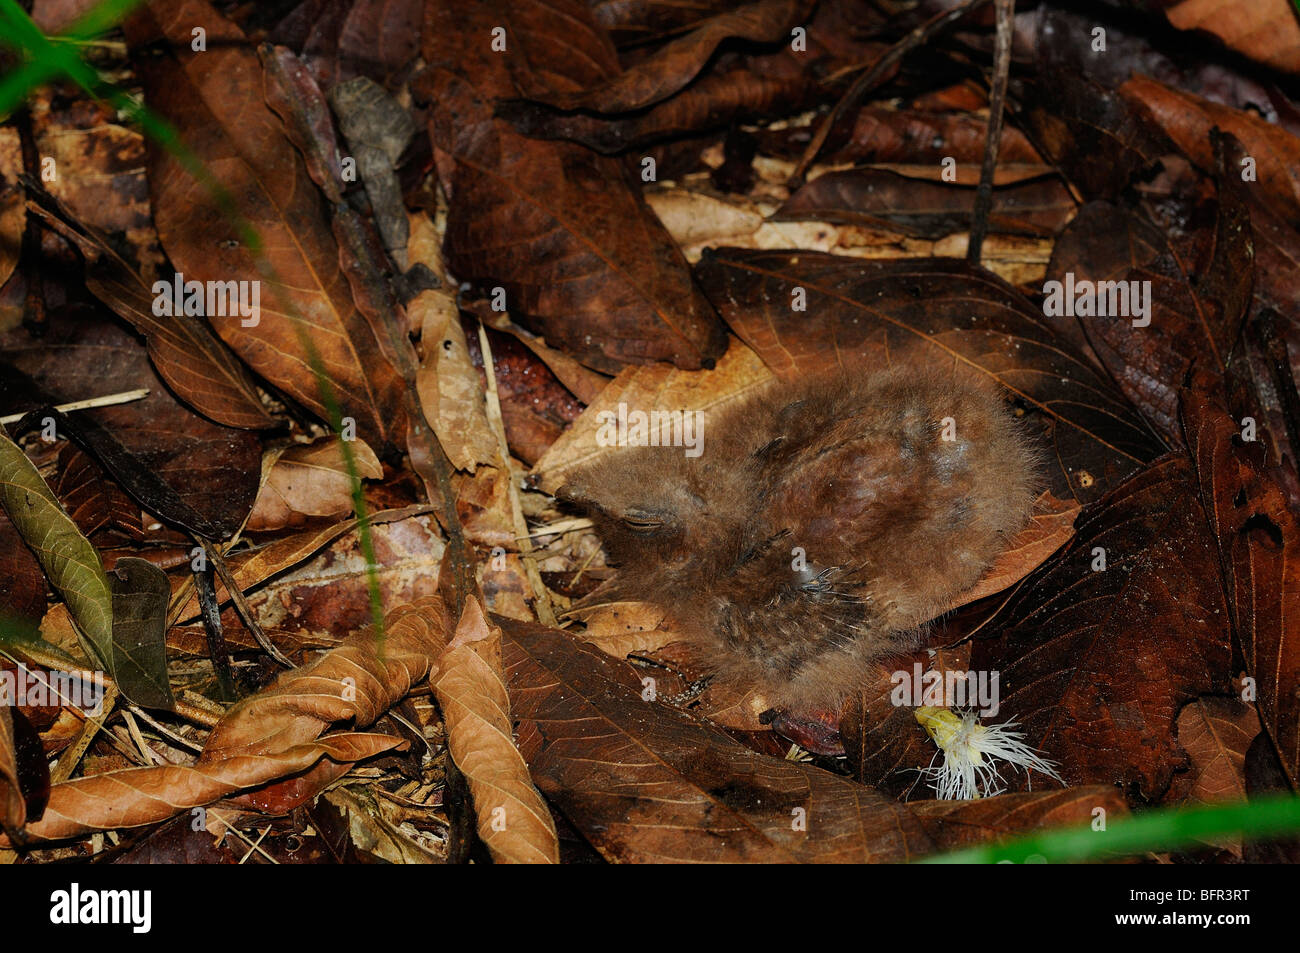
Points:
x=513, y=820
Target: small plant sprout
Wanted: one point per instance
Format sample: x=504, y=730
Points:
x=970, y=752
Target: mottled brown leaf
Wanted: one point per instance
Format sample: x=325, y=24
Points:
x=1187, y=120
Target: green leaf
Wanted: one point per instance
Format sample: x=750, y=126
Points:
x=1164, y=829
x=70, y=562
x=140, y=596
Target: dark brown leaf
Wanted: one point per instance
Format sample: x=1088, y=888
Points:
x=1199, y=294
x=213, y=469
x=641, y=21
x=954, y=824
x=644, y=782
x=1098, y=141
x=882, y=199
x=583, y=260
x=195, y=365
x=677, y=63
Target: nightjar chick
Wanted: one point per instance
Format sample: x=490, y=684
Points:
x=824, y=523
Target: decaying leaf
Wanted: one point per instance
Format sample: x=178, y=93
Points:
x=1101, y=646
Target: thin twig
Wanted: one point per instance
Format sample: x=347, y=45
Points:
x=108, y=400
x=542, y=600
x=979, y=224
x=241, y=604
x=165, y=731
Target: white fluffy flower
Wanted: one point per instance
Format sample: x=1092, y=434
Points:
x=970, y=752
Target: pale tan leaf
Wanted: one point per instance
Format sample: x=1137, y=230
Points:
x=1050, y=528
x=451, y=394
x=275, y=734
x=137, y=796
x=513, y=820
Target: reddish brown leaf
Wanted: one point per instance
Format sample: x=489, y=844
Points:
x=1095, y=662
x=214, y=100
x=139, y=796
x=731, y=92
x=1187, y=120
x=13, y=807
x=1258, y=537
x=22, y=584
x=1216, y=733
x=880, y=135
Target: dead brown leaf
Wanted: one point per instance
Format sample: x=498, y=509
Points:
x=513, y=820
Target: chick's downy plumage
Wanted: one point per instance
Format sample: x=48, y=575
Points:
x=825, y=521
